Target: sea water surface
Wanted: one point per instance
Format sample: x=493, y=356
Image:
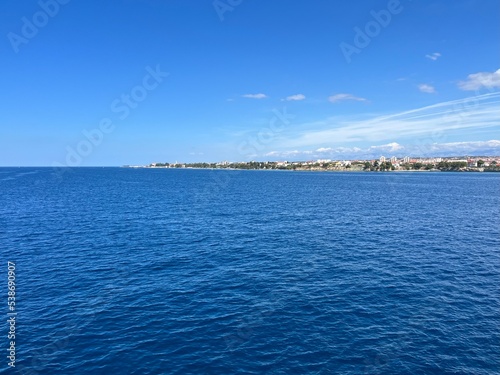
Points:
x=154, y=271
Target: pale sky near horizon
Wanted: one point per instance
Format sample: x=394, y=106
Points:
x=138, y=81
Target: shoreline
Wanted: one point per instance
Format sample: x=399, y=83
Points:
x=315, y=170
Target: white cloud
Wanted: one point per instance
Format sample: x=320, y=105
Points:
x=479, y=80
x=479, y=148
x=295, y=97
x=255, y=96
x=433, y=56
x=425, y=125
x=324, y=149
x=390, y=147
x=339, y=97
x=292, y=153
x=426, y=88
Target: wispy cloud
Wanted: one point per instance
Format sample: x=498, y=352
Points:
x=294, y=97
x=470, y=114
x=433, y=56
x=479, y=80
x=341, y=97
x=479, y=148
x=255, y=96
x=426, y=88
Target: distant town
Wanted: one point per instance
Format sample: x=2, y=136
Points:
x=462, y=164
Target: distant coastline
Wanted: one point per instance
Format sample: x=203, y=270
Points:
x=406, y=164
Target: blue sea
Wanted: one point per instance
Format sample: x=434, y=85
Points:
x=156, y=271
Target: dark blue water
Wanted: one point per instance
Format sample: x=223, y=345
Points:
x=123, y=271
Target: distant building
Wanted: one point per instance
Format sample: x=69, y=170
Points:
x=406, y=159
x=393, y=160
x=382, y=159
x=471, y=163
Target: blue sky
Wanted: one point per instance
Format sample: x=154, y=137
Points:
x=137, y=81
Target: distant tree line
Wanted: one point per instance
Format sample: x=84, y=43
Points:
x=327, y=165
x=442, y=166
x=493, y=167
x=379, y=166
